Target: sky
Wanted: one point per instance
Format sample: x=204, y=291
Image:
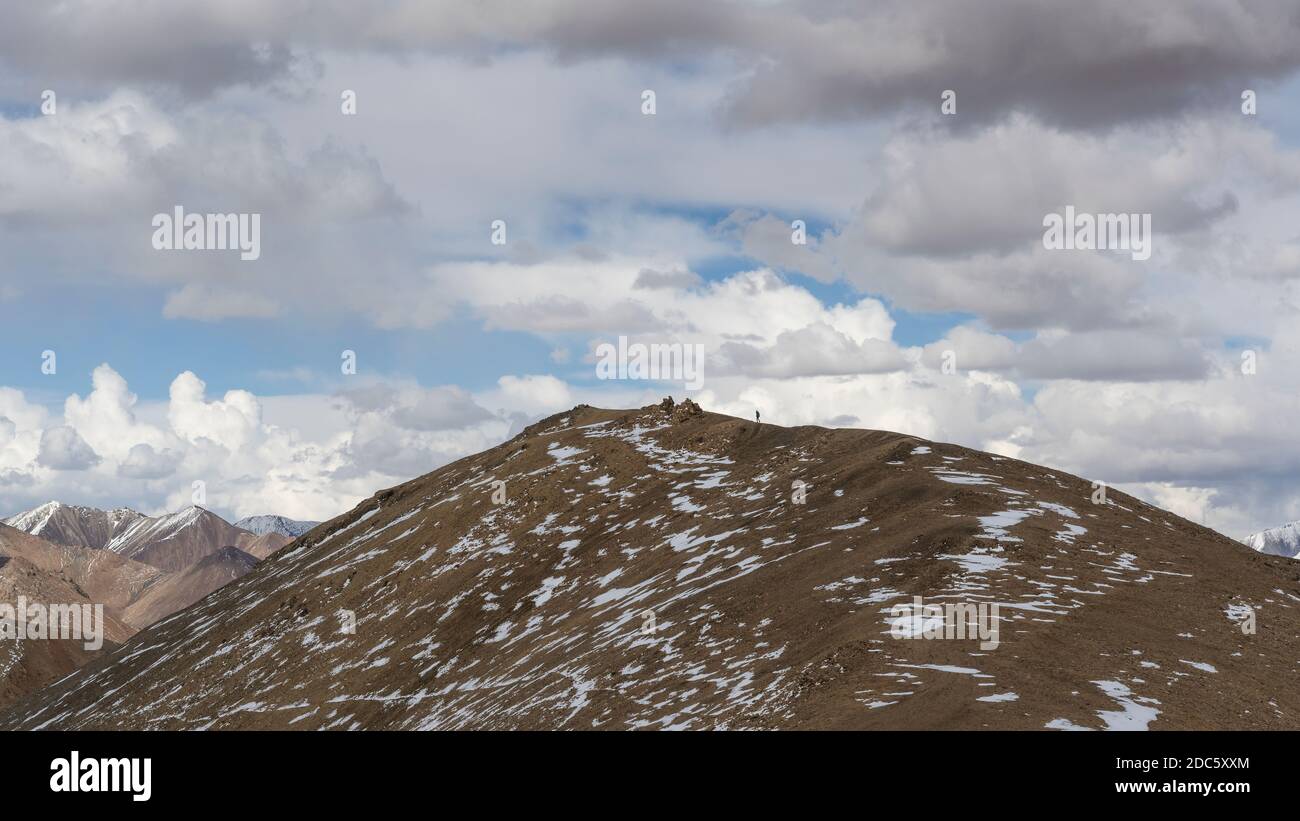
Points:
x=129, y=372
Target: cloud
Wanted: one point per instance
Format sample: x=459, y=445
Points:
x=944, y=195
x=764, y=237
x=1077, y=66
x=1109, y=355
x=650, y=279
x=209, y=303
x=124, y=158
x=307, y=456
x=1112, y=356
x=231, y=422
x=411, y=407
x=106, y=416
x=63, y=449
x=971, y=349
x=815, y=350
x=143, y=462
x=534, y=394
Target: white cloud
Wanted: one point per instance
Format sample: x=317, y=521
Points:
x=208, y=303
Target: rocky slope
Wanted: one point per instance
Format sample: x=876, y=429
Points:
x=664, y=568
x=179, y=590
x=97, y=575
x=261, y=546
x=44, y=573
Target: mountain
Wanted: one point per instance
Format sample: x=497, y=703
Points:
x=27, y=666
x=1277, y=541
x=100, y=576
x=671, y=568
x=74, y=525
x=176, y=541
x=182, y=589
x=260, y=525
x=172, y=542
x=44, y=573
x=262, y=546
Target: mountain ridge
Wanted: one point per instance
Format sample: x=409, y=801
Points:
x=171, y=542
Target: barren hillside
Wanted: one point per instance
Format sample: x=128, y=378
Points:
x=654, y=568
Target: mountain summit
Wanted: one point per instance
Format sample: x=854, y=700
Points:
x=671, y=568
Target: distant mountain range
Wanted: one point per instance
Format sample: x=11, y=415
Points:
x=1277, y=541
x=172, y=542
x=74, y=524
x=141, y=568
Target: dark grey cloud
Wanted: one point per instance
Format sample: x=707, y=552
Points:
x=1075, y=65
x=1117, y=356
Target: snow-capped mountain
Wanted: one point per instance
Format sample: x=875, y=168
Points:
x=74, y=524
x=1277, y=541
x=172, y=542
x=261, y=525
x=176, y=541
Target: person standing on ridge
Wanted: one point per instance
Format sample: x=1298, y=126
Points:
x=756, y=419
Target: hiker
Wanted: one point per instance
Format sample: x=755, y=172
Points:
x=756, y=419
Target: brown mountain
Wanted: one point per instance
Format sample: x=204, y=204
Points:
x=74, y=524
x=134, y=595
x=39, y=572
x=262, y=545
x=176, y=541
x=180, y=590
x=172, y=542
x=97, y=575
x=666, y=567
